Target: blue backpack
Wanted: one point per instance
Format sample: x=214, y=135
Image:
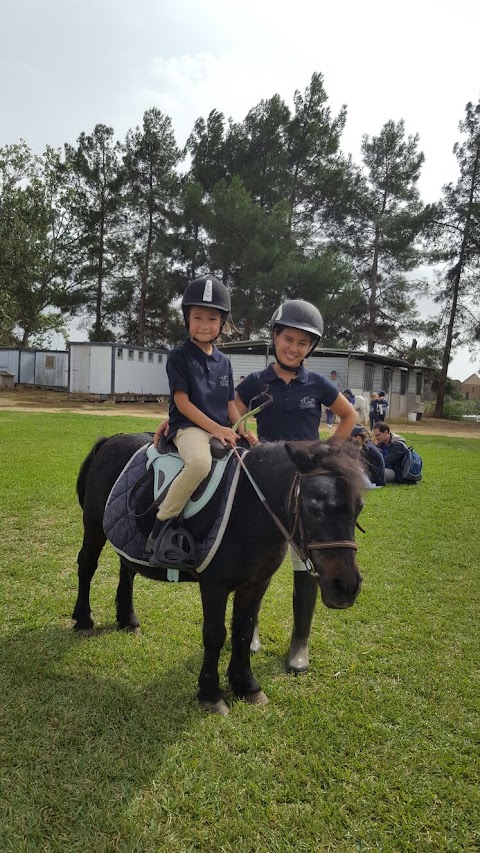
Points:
x=411, y=467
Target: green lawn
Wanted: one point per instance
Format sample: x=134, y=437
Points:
x=103, y=747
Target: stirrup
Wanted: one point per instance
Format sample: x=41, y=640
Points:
x=174, y=547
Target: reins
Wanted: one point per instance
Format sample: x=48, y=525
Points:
x=296, y=493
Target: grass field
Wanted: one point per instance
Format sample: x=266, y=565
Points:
x=103, y=747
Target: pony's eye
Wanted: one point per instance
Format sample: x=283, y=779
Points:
x=314, y=509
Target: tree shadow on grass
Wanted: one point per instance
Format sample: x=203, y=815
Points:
x=80, y=746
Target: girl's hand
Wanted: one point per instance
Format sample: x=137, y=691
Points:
x=226, y=435
x=249, y=436
x=162, y=429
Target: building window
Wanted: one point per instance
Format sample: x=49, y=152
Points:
x=150, y=357
x=159, y=358
x=140, y=355
x=49, y=362
x=130, y=354
x=386, y=379
x=418, y=380
x=119, y=352
x=403, y=382
x=368, y=375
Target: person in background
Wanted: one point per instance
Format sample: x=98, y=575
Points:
x=373, y=412
x=294, y=415
x=330, y=414
x=382, y=406
x=349, y=395
x=393, y=448
x=370, y=457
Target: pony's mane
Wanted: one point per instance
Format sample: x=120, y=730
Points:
x=341, y=460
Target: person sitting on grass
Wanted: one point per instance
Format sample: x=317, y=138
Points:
x=393, y=448
x=370, y=457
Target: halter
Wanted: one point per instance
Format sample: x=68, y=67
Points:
x=295, y=492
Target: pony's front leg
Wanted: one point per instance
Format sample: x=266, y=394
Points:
x=126, y=616
x=93, y=542
x=246, y=605
x=214, y=601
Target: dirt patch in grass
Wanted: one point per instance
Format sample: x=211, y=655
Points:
x=39, y=400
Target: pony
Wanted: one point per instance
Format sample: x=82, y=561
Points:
x=315, y=490
x=361, y=406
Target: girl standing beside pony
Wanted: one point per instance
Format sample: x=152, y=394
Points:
x=294, y=415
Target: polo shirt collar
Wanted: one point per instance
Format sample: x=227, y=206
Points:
x=198, y=352
x=271, y=376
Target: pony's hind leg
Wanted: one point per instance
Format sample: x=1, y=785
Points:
x=214, y=601
x=246, y=605
x=87, y=560
x=126, y=616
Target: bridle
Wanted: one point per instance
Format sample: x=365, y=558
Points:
x=295, y=494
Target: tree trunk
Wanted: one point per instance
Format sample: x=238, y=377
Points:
x=145, y=270
x=456, y=286
x=372, y=302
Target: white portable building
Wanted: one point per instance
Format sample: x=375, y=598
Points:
x=117, y=368
x=47, y=368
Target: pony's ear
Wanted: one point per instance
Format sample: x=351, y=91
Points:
x=307, y=455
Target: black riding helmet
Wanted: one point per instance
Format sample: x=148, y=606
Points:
x=297, y=314
x=208, y=292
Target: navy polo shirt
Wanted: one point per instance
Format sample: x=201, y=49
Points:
x=207, y=379
x=295, y=412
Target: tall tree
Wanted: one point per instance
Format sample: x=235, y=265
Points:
x=382, y=234
x=94, y=167
x=457, y=237
x=36, y=245
x=151, y=186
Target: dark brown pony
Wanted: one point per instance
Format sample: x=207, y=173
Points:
x=322, y=508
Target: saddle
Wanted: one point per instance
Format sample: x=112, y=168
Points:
x=131, y=508
x=166, y=463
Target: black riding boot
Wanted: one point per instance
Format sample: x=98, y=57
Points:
x=305, y=591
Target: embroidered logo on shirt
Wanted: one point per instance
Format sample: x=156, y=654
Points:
x=224, y=381
x=307, y=403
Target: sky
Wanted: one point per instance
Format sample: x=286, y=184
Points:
x=66, y=65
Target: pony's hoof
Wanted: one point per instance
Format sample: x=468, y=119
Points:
x=258, y=698
x=130, y=629
x=84, y=632
x=218, y=707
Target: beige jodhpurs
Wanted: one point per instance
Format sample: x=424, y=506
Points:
x=193, y=445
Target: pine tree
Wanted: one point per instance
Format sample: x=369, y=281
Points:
x=457, y=239
x=94, y=169
x=381, y=234
x=151, y=187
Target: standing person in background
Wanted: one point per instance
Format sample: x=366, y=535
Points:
x=294, y=415
x=382, y=406
x=330, y=414
x=373, y=412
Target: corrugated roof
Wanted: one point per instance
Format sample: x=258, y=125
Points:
x=260, y=348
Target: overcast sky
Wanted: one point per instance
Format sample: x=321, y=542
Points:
x=66, y=65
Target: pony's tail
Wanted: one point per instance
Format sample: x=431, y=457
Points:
x=85, y=468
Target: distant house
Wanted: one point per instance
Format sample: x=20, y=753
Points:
x=362, y=372
x=470, y=388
